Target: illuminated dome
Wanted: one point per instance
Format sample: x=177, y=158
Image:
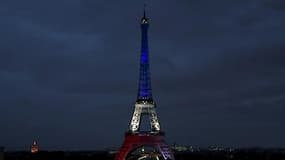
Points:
x=35, y=147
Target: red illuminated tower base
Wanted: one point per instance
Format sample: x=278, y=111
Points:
x=134, y=141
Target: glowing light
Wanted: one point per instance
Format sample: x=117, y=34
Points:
x=35, y=147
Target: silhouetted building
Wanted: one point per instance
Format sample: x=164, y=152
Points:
x=1, y=153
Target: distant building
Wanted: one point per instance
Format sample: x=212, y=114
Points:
x=1, y=153
x=34, y=147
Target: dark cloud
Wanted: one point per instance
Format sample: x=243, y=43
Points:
x=275, y=4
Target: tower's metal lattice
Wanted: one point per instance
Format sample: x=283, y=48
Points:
x=144, y=106
x=144, y=90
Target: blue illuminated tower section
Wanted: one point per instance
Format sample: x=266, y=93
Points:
x=144, y=90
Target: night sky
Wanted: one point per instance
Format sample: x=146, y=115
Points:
x=69, y=71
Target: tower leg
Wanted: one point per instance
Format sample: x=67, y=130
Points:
x=135, y=122
x=155, y=127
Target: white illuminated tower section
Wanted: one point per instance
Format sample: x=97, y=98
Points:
x=144, y=105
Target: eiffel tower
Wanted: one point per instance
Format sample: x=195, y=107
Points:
x=136, y=141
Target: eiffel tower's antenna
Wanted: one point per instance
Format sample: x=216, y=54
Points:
x=144, y=7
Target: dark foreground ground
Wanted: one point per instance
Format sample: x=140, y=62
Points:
x=105, y=155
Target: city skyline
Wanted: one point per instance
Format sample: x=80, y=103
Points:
x=69, y=72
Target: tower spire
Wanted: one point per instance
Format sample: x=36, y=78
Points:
x=144, y=19
x=144, y=88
